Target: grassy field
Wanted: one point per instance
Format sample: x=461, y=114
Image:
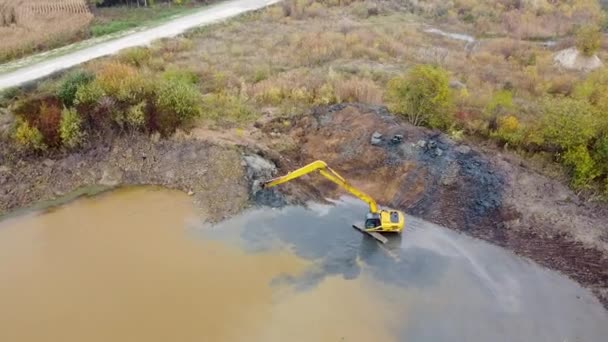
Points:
x=284, y=60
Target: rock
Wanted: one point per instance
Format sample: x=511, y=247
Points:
x=456, y=84
x=421, y=143
x=573, y=59
x=48, y=162
x=463, y=149
x=190, y=193
x=376, y=139
x=438, y=152
x=397, y=139
x=258, y=167
x=111, y=177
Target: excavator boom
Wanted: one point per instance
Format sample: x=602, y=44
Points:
x=328, y=173
x=377, y=220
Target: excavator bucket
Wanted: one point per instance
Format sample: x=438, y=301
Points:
x=379, y=237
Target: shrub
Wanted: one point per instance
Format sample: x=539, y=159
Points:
x=594, y=89
x=177, y=102
x=600, y=150
x=582, y=165
x=70, y=129
x=134, y=117
x=325, y=95
x=500, y=104
x=509, y=130
x=422, y=96
x=588, y=39
x=28, y=137
x=48, y=123
x=138, y=56
x=121, y=81
x=70, y=84
x=567, y=123
x=8, y=95
x=89, y=94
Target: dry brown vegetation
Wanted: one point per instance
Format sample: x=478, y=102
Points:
x=304, y=53
x=27, y=25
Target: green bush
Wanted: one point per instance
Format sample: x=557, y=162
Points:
x=600, y=154
x=567, y=123
x=583, y=166
x=70, y=129
x=122, y=81
x=500, y=104
x=422, y=96
x=70, y=84
x=588, y=39
x=134, y=117
x=8, y=95
x=176, y=102
x=28, y=137
x=89, y=94
x=509, y=130
x=594, y=89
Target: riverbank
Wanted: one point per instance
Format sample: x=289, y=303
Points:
x=213, y=175
x=492, y=196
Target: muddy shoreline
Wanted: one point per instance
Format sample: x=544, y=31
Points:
x=488, y=196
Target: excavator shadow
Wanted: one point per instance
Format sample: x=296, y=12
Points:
x=371, y=246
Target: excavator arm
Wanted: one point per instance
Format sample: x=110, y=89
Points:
x=328, y=173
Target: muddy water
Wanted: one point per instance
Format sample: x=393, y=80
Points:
x=137, y=265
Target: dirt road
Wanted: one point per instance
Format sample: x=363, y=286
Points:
x=29, y=72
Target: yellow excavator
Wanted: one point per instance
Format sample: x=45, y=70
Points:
x=376, y=221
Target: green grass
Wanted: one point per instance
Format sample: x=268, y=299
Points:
x=116, y=19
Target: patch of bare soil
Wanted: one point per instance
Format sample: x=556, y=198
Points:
x=489, y=196
x=215, y=176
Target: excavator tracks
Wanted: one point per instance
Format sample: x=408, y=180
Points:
x=379, y=237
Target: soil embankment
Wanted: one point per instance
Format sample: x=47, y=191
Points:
x=486, y=195
x=213, y=175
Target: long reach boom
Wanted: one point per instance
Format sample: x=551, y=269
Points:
x=377, y=220
x=328, y=173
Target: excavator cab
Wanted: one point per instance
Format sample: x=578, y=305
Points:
x=385, y=221
x=373, y=221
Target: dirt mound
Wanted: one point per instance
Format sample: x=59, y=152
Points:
x=429, y=175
